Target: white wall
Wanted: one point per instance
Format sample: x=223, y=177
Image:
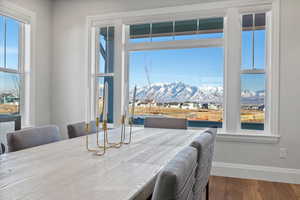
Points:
x=43, y=11
x=68, y=102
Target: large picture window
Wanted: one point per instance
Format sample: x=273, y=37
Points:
x=15, y=105
x=213, y=69
x=178, y=82
x=186, y=83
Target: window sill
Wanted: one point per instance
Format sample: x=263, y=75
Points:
x=248, y=138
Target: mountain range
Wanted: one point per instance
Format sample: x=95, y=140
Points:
x=181, y=92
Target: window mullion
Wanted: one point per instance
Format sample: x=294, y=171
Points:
x=93, y=95
x=253, y=43
x=4, y=19
x=232, y=71
x=118, y=48
x=125, y=69
x=21, y=69
x=268, y=83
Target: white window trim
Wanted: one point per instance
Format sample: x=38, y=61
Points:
x=204, y=10
x=26, y=58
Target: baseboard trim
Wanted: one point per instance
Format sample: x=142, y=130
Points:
x=275, y=174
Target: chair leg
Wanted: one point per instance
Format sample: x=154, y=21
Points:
x=207, y=191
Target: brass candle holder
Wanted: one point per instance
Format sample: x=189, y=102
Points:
x=101, y=149
x=124, y=130
x=130, y=120
x=111, y=144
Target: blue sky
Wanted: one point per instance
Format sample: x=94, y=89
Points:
x=12, y=43
x=196, y=67
x=8, y=81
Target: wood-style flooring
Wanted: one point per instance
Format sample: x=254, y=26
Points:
x=224, y=188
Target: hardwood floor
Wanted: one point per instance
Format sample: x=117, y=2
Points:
x=224, y=188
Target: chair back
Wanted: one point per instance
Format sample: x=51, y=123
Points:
x=79, y=129
x=32, y=137
x=205, y=146
x=2, y=148
x=175, y=181
x=160, y=122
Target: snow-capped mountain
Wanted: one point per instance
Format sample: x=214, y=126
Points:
x=181, y=92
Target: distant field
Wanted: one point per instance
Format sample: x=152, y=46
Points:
x=199, y=114
x=8, y=108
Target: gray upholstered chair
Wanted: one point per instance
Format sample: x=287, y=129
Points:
x=79, y=129
x=2, y=148
x=175, y=181
x=205, y=146
x=160, y=122
x=32, y=137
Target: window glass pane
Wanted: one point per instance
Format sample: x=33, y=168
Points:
x=101, y=81
x=186, y=27
x=260, y=20
x=253, y=101
x=140, y=33
x=2, y=37
x=103, y=38
x=12, y=44
x=248, y=21
x=186, y=30
x=211, y=28
x=178, y=30
x=181, y=83
x=253, y=41
x=9, y=93
x=247, y=49
x=162, y=31
x=260, y=49
x=106, y=48
x=208, y=28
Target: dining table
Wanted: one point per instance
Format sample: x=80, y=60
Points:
x=65, y=170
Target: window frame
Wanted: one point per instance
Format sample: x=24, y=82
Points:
x=174, y=44
x=267, y=71
x=94, y=73
x=232, y=47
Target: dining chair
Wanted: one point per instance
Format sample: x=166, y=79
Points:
x=175, y=181
x=205, y=146
x=79, y=129
x=31, y=137
x=2, y=148
x=162, y=122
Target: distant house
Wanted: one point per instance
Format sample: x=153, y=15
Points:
x=190, y=106
x=6, y=98
x=261, y=107
x=205, y=106
x=173, y=105
x=212, y=107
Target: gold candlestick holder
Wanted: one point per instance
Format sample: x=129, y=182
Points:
x=130, y=122
x=101, y=149
x=111, y=144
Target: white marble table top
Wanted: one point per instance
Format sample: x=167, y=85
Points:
x=65, y=170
